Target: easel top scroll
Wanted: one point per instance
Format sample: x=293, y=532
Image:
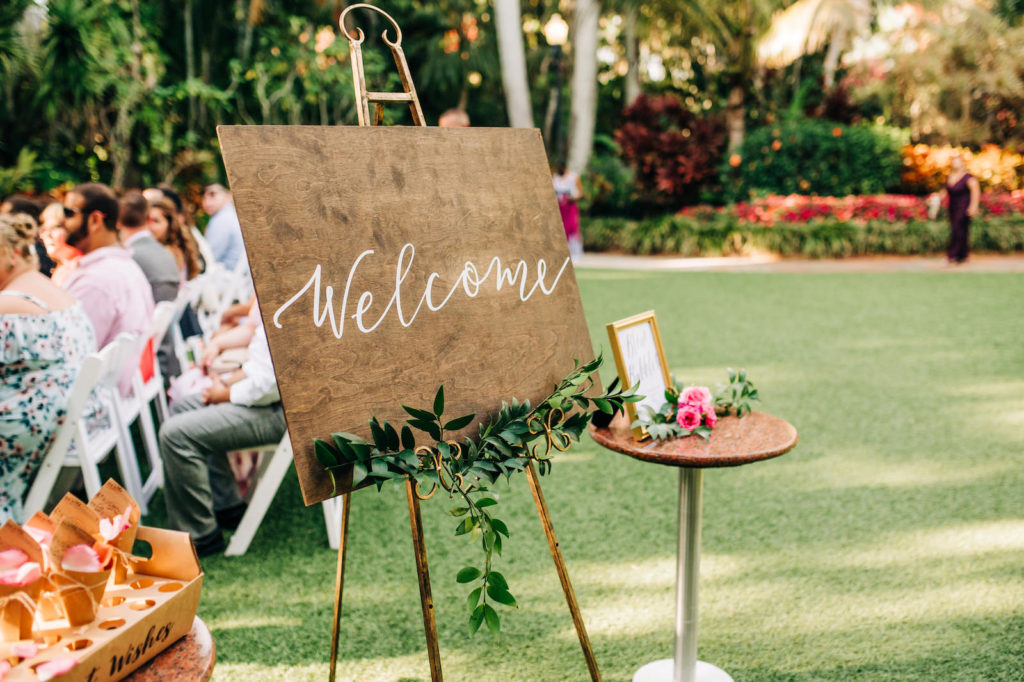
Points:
x=389, y=260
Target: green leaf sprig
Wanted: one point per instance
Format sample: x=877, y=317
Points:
x=514, y=438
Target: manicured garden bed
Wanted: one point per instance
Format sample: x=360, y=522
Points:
x=813, y=227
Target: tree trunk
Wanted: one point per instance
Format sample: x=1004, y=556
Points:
x=735, y=118
x=583, y=111
x=632, y=88
x=832, y=56
x=509, y=23
x=190, y=65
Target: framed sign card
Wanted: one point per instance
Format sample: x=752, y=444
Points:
x=640, y=357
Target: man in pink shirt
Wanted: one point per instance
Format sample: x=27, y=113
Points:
x=110, y=285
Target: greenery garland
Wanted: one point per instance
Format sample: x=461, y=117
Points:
x=518, y=435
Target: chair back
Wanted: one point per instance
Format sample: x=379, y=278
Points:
x=164, y=316
x=94, y=367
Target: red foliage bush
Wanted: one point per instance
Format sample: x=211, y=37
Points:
x=798, y=208
x=673, y=151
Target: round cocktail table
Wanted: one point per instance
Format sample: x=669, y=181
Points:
x=190, y=658
x=733, y=442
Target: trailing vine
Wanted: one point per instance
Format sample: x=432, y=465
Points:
x=517, y=436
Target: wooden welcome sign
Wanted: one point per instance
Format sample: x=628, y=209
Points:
x=390, y=260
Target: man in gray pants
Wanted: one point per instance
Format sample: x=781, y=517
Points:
x=239, y=411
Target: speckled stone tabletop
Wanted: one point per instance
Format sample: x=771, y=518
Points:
x=190, y=659
x=733, y=442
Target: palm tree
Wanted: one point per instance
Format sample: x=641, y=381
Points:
x=583, y=106
x=733, y=27
x=807, y=26
x=509, y=24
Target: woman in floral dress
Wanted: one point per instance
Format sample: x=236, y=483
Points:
x=44, y=337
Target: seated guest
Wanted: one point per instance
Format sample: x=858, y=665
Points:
x=163, y=191
x=165, y=224
x=241, y=410
x=107, y=281
x=54, y=237
x=156, y=262
x=33, y=208
x=44, y=337
x=223, y=233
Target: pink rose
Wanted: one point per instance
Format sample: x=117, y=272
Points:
x=688, y=417
x=710, y=418
x=699, y=396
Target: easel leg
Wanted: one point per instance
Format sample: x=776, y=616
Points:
x=427, y=601
x=563, y=573
x=346, y=500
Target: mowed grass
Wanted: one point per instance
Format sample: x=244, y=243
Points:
x=889, y=545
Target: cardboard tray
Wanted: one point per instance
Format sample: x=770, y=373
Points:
x=135, y=621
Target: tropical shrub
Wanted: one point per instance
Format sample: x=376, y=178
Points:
x=925, y=167
x=808, y=227
x=673, y=151
x=810, y=156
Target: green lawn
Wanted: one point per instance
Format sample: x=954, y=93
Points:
x=889, y=545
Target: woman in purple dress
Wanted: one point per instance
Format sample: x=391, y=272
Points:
x=963, y=191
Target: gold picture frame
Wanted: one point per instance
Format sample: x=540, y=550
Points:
x=640, y=358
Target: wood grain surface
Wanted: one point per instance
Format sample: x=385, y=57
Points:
x=339, y=196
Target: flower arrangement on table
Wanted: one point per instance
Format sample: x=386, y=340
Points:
x=519, y=435
x=694, y=410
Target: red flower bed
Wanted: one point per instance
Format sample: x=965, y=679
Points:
x=797, y=208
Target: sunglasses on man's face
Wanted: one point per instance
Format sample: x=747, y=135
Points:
x=70, y=212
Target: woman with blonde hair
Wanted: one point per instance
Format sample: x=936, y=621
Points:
x=45, y=335
x=166, y=225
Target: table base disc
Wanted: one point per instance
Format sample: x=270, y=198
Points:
x=661, y=671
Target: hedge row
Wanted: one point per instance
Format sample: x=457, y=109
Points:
x=828, y=238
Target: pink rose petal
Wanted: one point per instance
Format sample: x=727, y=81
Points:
x=51, y=669
x=81, y=558
x=25, y=649
x=43, y=537
x=25, y=574
x=5, y=668
x=114, y=526
x=12, y=558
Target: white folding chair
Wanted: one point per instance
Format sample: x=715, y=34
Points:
x=74, y=445
x=274, y=461
x=204, y=247
x=137, y=407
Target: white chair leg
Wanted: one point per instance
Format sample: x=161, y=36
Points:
x=156, y=476
x=332, y=519
x=90, y=471
x=262, y=496
x=127, y=459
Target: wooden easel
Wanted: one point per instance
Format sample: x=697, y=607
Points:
x=379, y=99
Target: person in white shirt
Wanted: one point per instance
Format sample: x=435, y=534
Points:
x=239, y=411
x=223, y=233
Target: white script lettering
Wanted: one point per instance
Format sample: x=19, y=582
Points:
x=469, y=280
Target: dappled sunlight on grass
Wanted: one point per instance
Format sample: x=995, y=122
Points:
x=857, y=468
x=253, y=622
